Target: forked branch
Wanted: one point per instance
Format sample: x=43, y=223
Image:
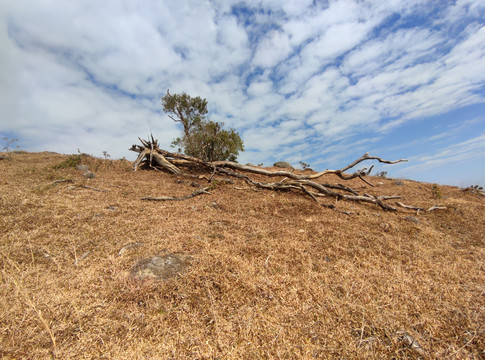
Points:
x=154, y=157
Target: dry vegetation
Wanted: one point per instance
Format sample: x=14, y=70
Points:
x=273, y=274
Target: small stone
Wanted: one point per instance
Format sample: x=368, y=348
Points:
x=413, y=219
x=128, y=247
x=85, y=255
x=82, y=257
x=161, y=267
x=410, y=341
x=81, y=167
x=398, y=183
x=194, y=184
x=89, y=175
x=386, y=227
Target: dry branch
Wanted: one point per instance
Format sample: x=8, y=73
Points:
x=418, y=209
x=159, y=159
x=434, y=207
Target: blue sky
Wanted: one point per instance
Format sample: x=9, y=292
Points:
x=301, y=80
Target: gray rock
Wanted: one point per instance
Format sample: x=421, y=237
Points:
x=161, y=267
x=83, y=256
x=408, y=340
x=81, y=167
x=413, y=219
x=129, y=247
x=89, y=175
x=283, y=164
x=214, y=205
x=398, y=183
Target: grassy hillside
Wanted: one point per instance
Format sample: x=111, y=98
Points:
x=273, y=275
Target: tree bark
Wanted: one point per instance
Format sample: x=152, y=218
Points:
x=149, y=152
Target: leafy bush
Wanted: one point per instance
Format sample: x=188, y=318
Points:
x=201, y=138
x=71, y=162
x=304, y=165
x=436, y=191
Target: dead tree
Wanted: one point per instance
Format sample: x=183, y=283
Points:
x=151, y=155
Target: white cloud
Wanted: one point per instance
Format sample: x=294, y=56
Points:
x=260, y=88
x=446, y=156
x=274, y=48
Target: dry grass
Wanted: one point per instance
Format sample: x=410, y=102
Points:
x=273, y=275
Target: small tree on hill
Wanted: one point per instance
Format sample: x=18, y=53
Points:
x=201, y=138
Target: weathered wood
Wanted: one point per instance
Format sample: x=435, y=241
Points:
x=418, y=209
x=409, y=207
x=434, y=207
x=164, y=163
x=164, y=160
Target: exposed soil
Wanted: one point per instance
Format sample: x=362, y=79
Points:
x=272, y=275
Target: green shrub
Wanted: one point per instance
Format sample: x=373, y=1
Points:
x=436, y=191
x=71, y=162
x=201, y=137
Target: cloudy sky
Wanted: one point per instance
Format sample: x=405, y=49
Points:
x=301, y=80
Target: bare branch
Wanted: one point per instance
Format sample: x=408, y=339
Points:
x=434, y=207
x=409, y=207
x=162, y=159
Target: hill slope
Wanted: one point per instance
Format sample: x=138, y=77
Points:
x=272, y=275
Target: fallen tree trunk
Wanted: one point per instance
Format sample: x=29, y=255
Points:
x=159, y=159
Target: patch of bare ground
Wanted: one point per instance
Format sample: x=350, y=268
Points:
x=272, y=274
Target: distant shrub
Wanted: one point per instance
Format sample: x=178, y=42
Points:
x=436, y=191
x=304, y=165
x=71, y=162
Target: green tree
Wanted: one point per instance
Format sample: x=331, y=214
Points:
x=201, y=138
x=185, y=109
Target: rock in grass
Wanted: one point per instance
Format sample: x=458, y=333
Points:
x=413, y=219
x=82, y=167
x=89, y=175
x=161, y=267
x=408, y=340
x=283, y=164
x=128, y=247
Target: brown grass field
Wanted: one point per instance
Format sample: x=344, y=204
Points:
x=273, y=275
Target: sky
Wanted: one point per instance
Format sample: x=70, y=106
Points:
x=320, y=82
